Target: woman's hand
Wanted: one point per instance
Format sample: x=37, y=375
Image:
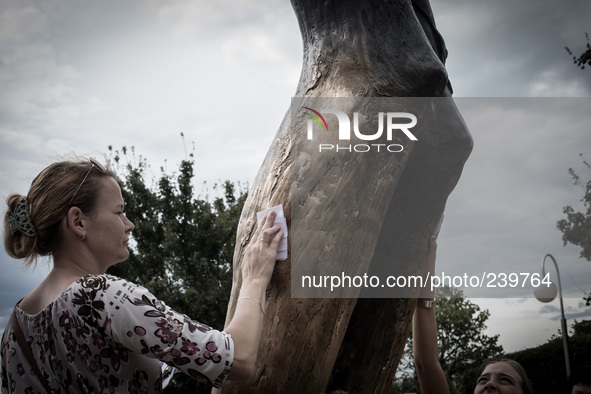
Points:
x=261, y=252
x=247, y=324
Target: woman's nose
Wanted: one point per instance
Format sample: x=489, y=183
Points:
x=130, y=225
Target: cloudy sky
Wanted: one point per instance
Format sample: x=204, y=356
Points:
x=81, y=76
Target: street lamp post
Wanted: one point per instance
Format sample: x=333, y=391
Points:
x=546, y=294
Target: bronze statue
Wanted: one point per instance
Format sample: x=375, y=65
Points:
x=387, y=205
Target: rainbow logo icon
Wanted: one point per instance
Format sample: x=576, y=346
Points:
x=315, y=116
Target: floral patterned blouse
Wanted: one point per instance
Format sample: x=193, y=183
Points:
x=107, y=335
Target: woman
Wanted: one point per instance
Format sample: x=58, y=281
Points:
x=92, y=332
x=579, y=381
x=503, y=376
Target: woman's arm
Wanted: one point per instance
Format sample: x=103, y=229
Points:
x=247, y=323
x=424, y=333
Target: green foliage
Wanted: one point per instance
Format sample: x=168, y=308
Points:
x=463, y=345
x=545, y=365
x=182, y=244
x=576, y=228
x=584, y=58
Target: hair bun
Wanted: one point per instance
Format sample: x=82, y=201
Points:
x=19, y=232
x=20, y=220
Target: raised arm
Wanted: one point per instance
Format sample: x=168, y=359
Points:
x=247, y=323
x=424, y=333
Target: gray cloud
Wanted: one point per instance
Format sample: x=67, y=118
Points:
x=571, y=316
x=502, y=216
x=549, y=309
x=508, y=48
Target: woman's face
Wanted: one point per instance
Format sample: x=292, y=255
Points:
x=108, y=228
x=581, y=388
x=499, y=378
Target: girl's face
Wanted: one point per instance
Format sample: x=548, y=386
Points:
x=499, y=378
x=581, y=388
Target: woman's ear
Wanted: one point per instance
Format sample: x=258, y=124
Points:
x=75, y=221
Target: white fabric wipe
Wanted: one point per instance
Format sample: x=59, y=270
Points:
x=280, y=220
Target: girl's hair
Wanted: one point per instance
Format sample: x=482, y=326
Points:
x=526, y=385
x=53, y=192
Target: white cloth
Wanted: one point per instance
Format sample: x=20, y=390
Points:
x=280, y=220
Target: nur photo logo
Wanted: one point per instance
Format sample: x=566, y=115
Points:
x=389, y=125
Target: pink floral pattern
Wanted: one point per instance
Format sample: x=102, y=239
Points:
x=107, y=335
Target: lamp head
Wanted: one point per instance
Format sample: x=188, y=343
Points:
x=546, y=292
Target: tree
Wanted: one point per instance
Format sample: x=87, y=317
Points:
x=545, y=365
x=576, y=228
x=463, y=345
x=182, y=245
x=584, y=58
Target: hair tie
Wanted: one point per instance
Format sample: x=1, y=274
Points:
x=20, y=220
